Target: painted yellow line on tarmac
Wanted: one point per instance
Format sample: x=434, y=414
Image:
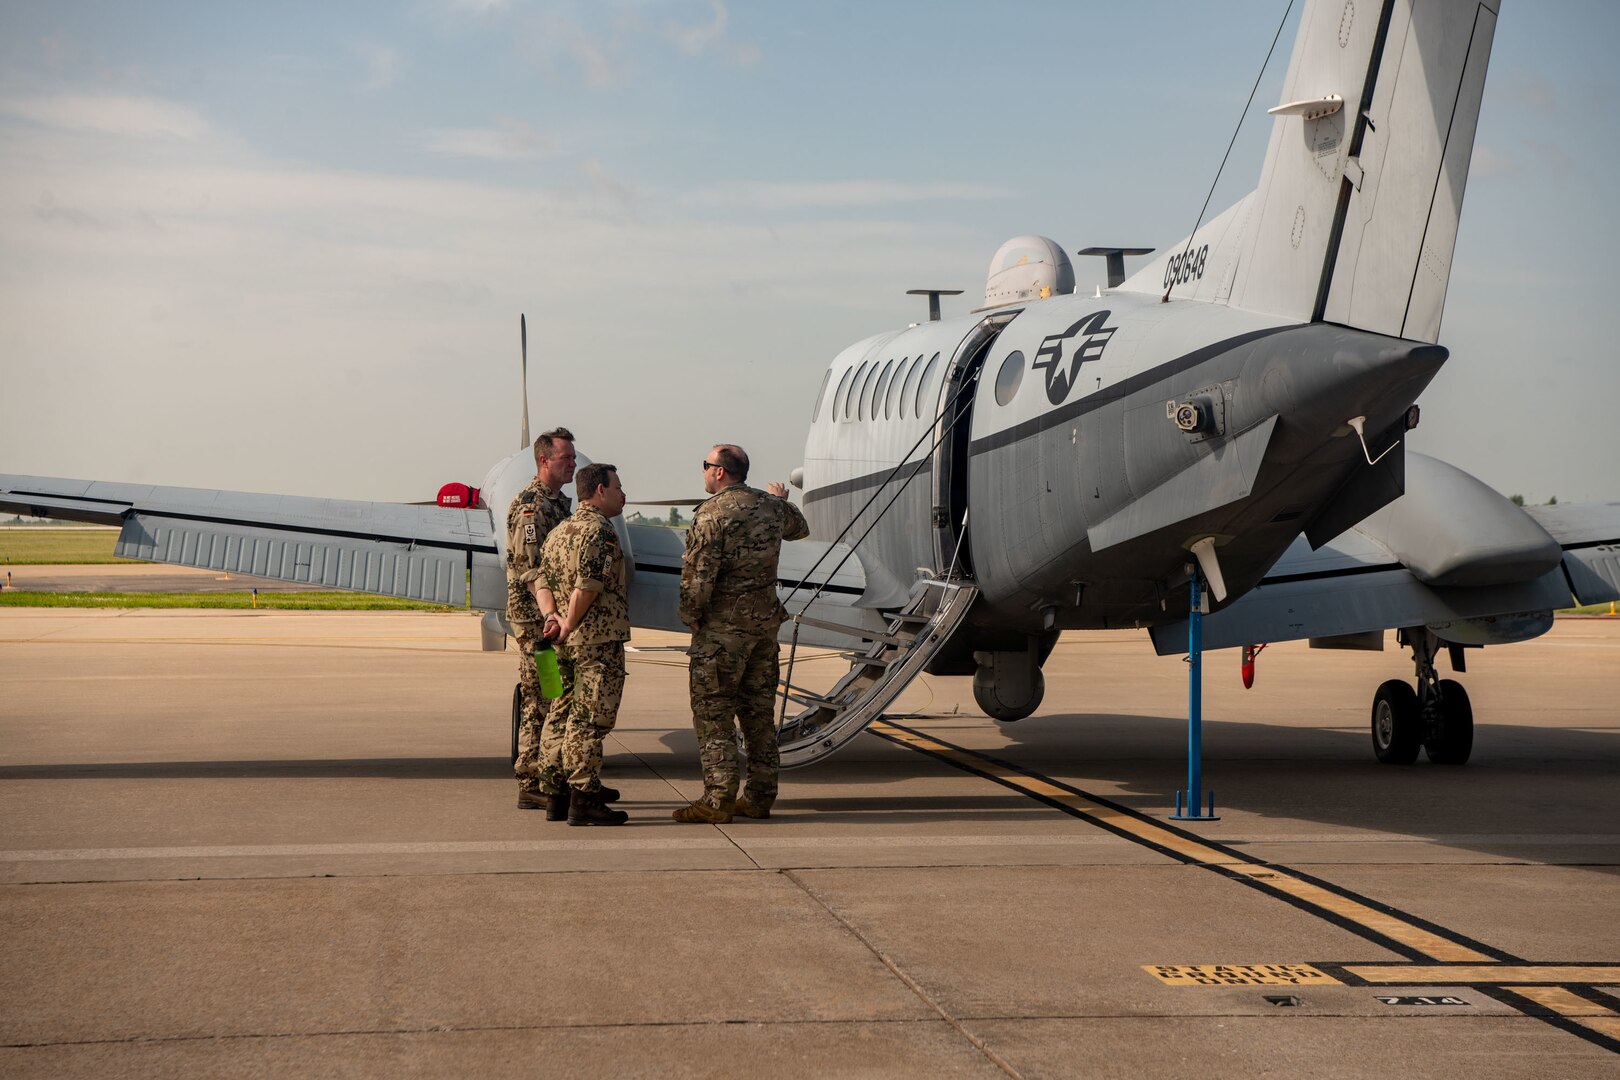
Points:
x=1182, y=845
x=1495, y=974
x=1391, y=926
x=1572, y=1007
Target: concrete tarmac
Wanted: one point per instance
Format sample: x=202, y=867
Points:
x=270, y=843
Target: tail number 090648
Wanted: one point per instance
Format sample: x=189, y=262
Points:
x=1185, y=267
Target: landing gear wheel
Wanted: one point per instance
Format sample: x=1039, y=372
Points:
x=1451, y=730
x=517, y=718
x=984, y=692
x=1397, y=723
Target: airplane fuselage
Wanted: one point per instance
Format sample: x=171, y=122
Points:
x=1038, y=449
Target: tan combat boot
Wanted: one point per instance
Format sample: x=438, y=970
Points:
x=744, y=808
x=699, y=813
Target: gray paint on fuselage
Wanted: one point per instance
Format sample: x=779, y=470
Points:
x=1041, y=476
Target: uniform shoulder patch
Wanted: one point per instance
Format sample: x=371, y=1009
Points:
x=530, y=534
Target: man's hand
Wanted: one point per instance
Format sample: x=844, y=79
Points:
x=551, y=629
x=779, y=490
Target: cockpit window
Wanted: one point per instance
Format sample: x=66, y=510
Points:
x=922, y=385
x=910, y=391
x=815, y=412
x=894, y=389
x=863, y=395
x=881, y=389
x=846, y=406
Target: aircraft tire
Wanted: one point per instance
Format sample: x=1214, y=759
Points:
x=1451, y=739
x=984, y=692
x=1397, y=723
x=517, y=718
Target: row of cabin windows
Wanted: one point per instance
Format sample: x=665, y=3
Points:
x=873, y=388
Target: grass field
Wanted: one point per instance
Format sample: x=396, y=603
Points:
x=273, y=601
x=58, y=547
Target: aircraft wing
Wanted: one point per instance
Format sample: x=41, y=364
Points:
x=393, y=549
x=1450, y=554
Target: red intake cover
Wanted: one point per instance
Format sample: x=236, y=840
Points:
x=459, y=496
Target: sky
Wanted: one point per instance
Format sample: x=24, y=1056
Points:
x=284, y=247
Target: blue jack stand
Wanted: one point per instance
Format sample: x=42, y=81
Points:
x=1189, y=803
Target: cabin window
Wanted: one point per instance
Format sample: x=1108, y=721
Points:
x=815, y=412
x=894, y=389
x=1008, y=378
x=910, y=390
x=846, y=402
x=881, y=389
x=865, y=393
x=922, y=385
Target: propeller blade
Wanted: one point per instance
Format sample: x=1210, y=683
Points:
x=523, y=332
x=665, y=502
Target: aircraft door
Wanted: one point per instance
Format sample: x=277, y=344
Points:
x=952, y=431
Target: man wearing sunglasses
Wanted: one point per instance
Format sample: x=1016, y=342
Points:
x=728, y=598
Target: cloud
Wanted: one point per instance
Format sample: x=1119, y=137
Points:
x=838, y=193
x=135, y=117
x=49, y=210
x=702, y=38
x=381, y=66
x=1529, y=92
x=602, y=181
x=509, y=140
x=1489, y=161
x=479, y=7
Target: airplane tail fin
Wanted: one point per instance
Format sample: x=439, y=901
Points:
x=1355, y=217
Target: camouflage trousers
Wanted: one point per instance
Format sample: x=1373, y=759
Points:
x=535, y=707
x=733, y=680
x=571, y=739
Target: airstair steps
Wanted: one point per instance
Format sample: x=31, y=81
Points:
x=877, y=675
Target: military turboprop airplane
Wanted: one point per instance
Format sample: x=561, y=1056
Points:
x=1232, y=414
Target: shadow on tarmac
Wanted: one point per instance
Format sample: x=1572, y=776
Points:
x=1524, y=789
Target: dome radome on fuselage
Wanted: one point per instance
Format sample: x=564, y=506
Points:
x=1027, y=268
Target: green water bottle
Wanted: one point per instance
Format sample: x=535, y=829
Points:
x=545, y=664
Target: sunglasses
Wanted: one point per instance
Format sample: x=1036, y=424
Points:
x=707, y=465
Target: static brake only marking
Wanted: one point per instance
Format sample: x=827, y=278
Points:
x=1239, y=975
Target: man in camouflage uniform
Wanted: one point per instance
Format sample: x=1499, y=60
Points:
x=537, y=510
x=728, y=598
x=583, y=588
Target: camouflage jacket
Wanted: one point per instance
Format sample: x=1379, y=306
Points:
x=530, y=518
x=728, y=576
x=584, y=553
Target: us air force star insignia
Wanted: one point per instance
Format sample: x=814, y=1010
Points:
x=1090, y=347
x=529, y=535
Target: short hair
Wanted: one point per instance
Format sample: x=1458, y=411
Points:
x=732, y=459
x=546, y=443
x=592, y=477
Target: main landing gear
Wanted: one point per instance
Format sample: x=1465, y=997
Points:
x=1008, y=684
x=1436, y=715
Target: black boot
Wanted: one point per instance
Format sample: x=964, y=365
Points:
x=609, y=794
x=557, y=806
x=587, y=808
